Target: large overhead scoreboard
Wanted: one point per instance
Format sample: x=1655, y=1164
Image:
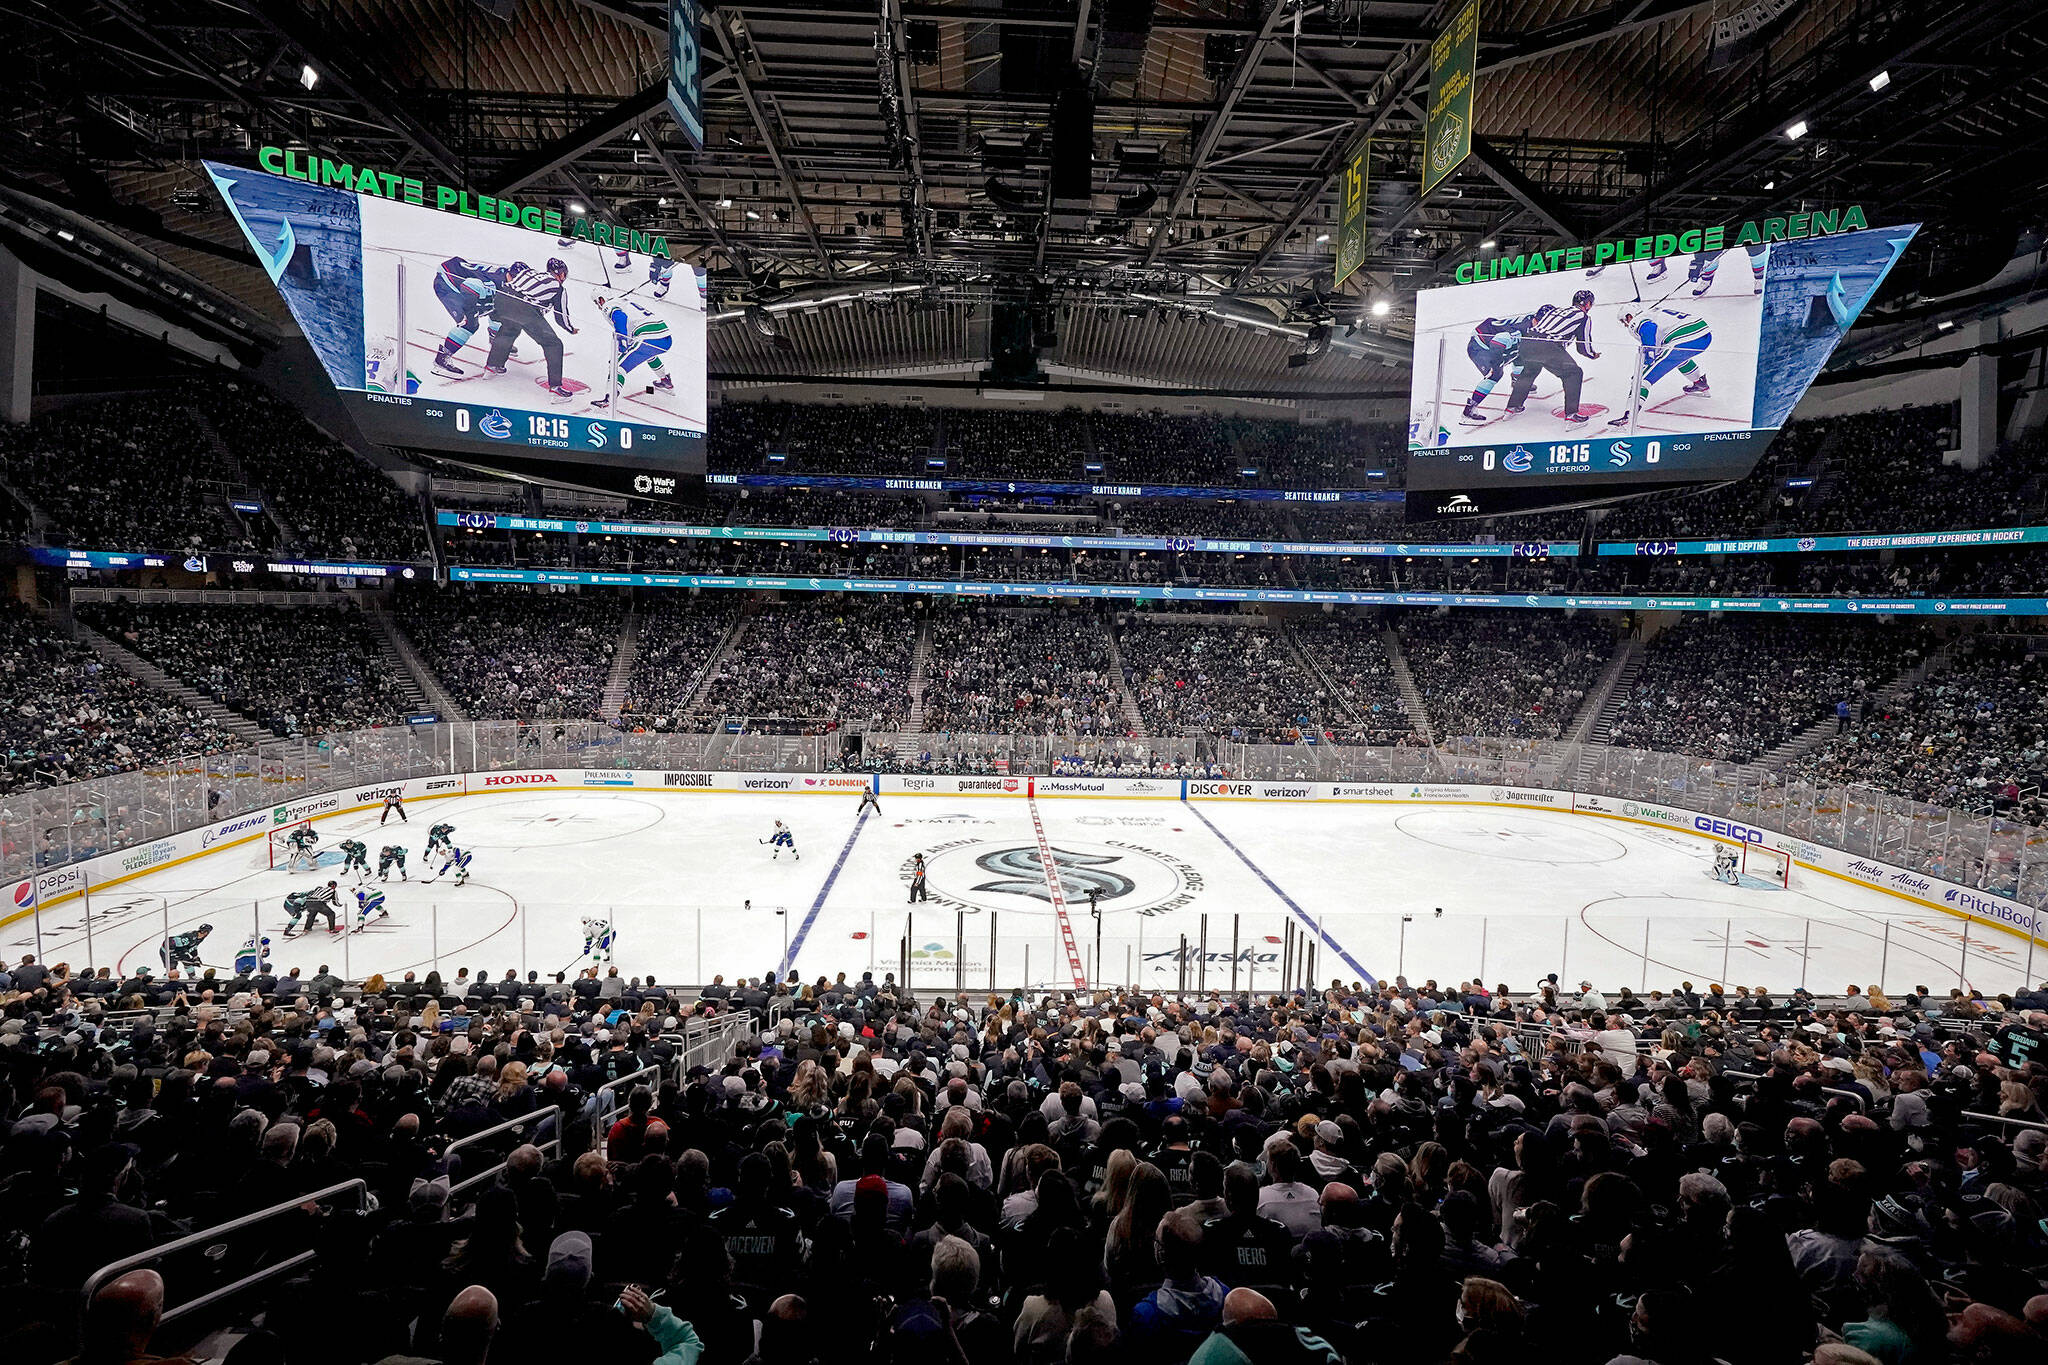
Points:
x=1568, y=376
x=516, y=337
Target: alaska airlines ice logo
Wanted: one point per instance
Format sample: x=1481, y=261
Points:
x=1021, y=872
x=495, y=425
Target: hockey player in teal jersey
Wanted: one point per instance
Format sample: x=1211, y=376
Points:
x=355, y=857
x=439, y=836
x=640, y=338
x=1670, y=340
x=388, y=857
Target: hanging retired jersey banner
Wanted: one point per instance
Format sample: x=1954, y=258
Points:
x=685, y=100
x=1352, y=183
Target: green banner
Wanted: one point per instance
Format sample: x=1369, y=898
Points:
x=1453, y=61
x=1352, y=182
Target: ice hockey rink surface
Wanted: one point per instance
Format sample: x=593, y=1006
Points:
x=693, y=891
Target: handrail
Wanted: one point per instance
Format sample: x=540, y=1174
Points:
x=113, y=1269
x=601, y=1137
x=2035, y=1124
x=531, y=1116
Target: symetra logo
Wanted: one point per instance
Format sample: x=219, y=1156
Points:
x=766, y=784
x=1460, y=502
x=607, y=777
x=520, y=779
x=1727, y=829
x=495, y=425
x=686, y=780
x=1219, y=789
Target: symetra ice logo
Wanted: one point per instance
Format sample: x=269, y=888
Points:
x=495, y=425
x=519, y=779
x=1022, y=872
x=1517, y=461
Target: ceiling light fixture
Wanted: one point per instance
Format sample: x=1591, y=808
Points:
x=1880, y=81
x=1797, y=130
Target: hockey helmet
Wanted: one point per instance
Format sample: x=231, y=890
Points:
x=558, y=268
x=1583, y=299
x=206, y=928
x=1628, y=317
x=598, y=299
x=266, y=943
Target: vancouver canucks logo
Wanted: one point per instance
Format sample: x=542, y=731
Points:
x=495, y=425
x=1021, y=872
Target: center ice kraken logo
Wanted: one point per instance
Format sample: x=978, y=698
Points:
x=1128, y=877
x=1021, y=872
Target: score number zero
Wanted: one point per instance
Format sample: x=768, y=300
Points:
x=546, y=428
x=1572, y=455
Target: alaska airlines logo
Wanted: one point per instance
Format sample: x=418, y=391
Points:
x=1021, y=872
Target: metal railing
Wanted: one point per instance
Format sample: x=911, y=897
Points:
x=114, y=1269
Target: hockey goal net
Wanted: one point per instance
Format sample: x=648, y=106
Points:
x=280, y=843
x=1767, y=864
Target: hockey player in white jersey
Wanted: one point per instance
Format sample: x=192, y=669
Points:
x=1670, y=340
x=454, y=861
x=1724, y=866
x=781, y=839
x=598, y=938
x=640, y=338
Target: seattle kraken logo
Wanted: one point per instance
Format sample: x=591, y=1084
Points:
x=1021, y=872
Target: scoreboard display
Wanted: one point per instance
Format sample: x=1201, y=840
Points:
x=543, y=352
x=1547, y=386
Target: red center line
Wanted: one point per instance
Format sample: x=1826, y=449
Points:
x=1050, y=870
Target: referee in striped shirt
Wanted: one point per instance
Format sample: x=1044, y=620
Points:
x=1544, y=341
x=523, y=304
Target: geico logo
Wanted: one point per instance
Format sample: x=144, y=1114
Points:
x=1727, y=829
x=519, y=780
x=1220, y=788
x=686, y=779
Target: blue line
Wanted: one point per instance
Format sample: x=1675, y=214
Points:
x=1285, y=899
x=796, y=945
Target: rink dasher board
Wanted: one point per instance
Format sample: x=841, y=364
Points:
x=56, y=886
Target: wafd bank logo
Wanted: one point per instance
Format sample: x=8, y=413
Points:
x=1125, y=878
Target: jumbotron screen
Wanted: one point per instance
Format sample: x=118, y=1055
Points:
x=1568, y=385
x=560, y=356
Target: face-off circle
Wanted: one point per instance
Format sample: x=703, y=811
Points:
x=1011, y=875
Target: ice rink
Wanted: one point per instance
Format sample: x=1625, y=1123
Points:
x=1522, y=893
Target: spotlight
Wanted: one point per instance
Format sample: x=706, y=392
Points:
x=1380, y=308
x=309, y=78
x=1880, y=81
x=577, y=208
x=1797, y=130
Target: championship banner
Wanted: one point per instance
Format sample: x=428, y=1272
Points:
x=685, y=100
x=1352, y=183
x=1453, y=65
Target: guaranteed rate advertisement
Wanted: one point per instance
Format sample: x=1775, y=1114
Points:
x=1554, y=382
x=450, y=330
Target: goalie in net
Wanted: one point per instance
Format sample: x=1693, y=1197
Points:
x=295, y=847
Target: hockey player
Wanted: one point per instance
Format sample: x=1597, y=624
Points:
x=1657, y=270
x=369, y=905
x=182, y=950
x=253, y=956
x=1550, y=328
x=1492, y=348
x=598, y=938
x=394, y=804
x=1671, y=340
x=301, y=842
x=1705, y=263
x=868, y=802
x=1724, y=866
x=780, y=840
x=388, y=857
x=523, y=306
x=660, y=270
x=466, y=289
x=622, y=260
x=439, y=837
x=321, y=900
x=639, y=338
x=454, y=859
x=355, y=855
x=917, y=872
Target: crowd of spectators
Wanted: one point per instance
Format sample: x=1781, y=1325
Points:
x=822, y=662
x=1031, y=671
x=296, y=672
x=508, y=652
x=1352, y=651
x=1353, y=1176
x=1735, y=689
x=1237, y=682
x=1971, y=735
x=678, y=636
x=126, y=473
x=333, y=503
x=66, y=717
x=1511, y=674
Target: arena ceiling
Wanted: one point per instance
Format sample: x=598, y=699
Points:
x=876, y=171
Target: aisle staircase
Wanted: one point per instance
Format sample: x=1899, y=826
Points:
x=1603, y=706
x=1134, y=719
x=1404, y=683
x=913, y=725
x=1818, y=733
x=231, y=465
x=118, y=655
x=695, y=704
x=1339, y=704
x=417, y=683
x=624, y=656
